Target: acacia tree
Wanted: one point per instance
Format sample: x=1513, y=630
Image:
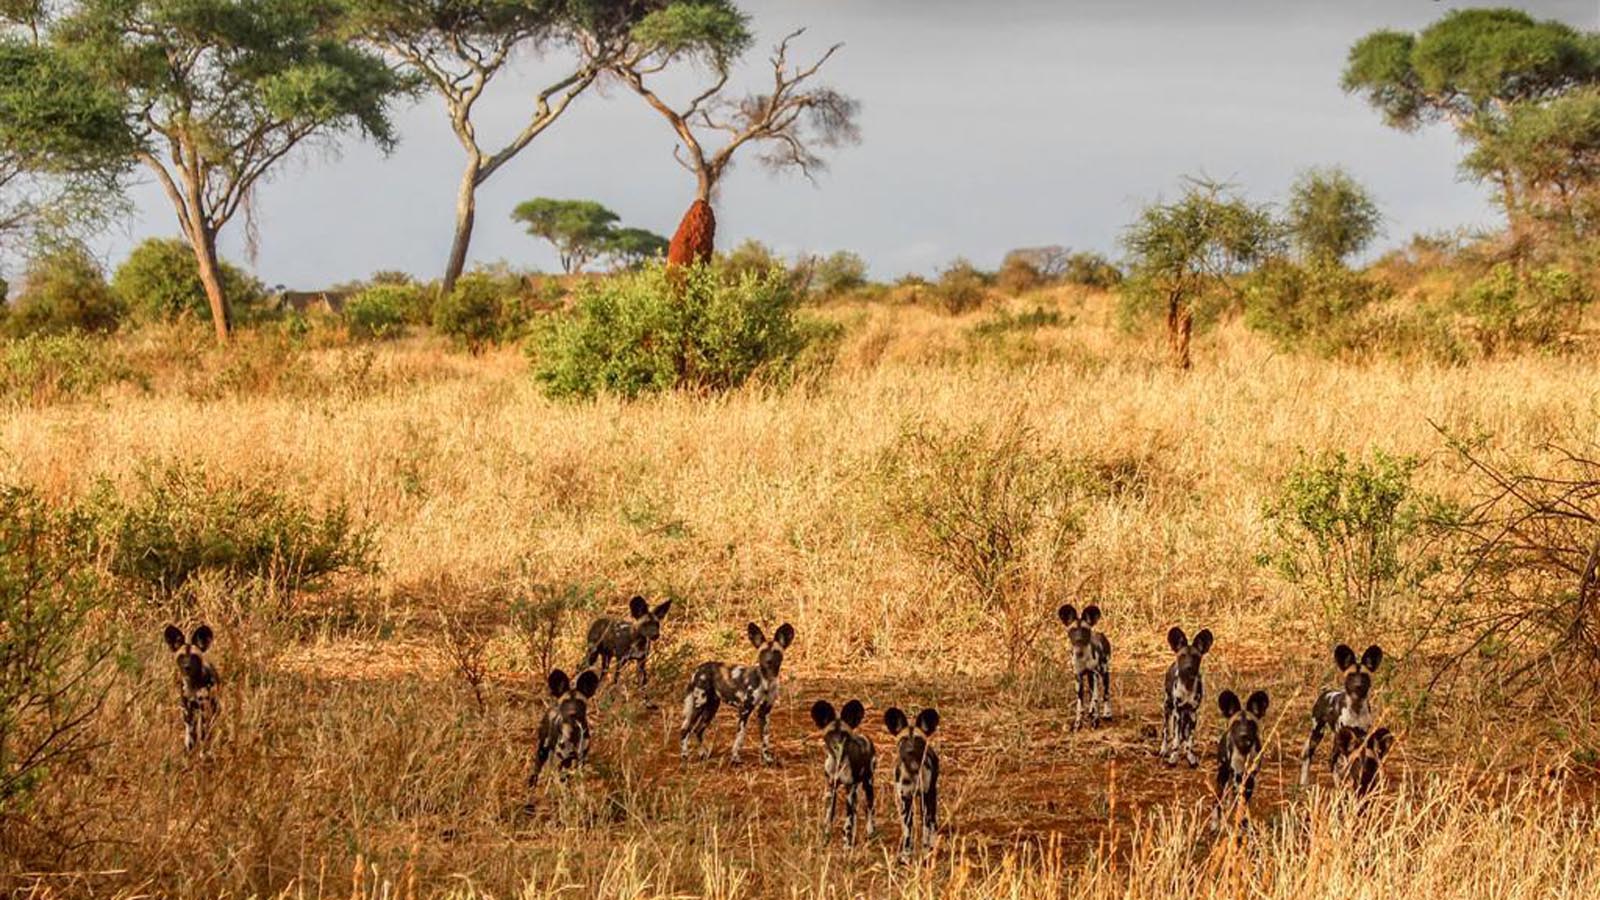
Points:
x=1475, y=69
x=1181, y=251
x=213, y=94
x=1331, y=217
x=793, y=121
x=579, y=229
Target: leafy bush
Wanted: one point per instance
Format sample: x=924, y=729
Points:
x=1091, y=270
x=1017, y=276
x=961, y=287
x=53, y=665
x=64, y=290
x=1317, y=305
x=840, y=273
x=382, y=311
x=179, y=523
x=1353, y=535
x=160, y=281
x=656, y=330
x=1534, y=310
x=1004, y=322
x=484, y=308
x=40, y=369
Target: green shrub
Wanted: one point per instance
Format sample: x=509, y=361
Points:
x=1017, y=276
x=64, y=290
x=1091, y=270
x=178, y=523
x=1319, y=305
x=382, y=311
x=1353, y=535
x=1005, y=322
x=839, y=273
x=961, y=287
x=160, y=281
x=45, y=368
x=484, y=308
x=1536, y=309
x=54, y=667
x=656, y=330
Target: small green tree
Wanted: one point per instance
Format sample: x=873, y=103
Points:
x=1331, y=217
x=160, y=281
x=1183, y=250
x=579, y=229
x=840, y=273
x=64, y=290
x=630, y=248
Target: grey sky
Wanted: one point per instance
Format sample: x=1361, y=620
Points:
x=986, y=126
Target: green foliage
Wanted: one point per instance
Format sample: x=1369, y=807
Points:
x=839, y=273
x=381, y=312
x=1529, y=311
x=1018, y=276
x=179, y=523
x=1091, y=269
x=1553, y=151
x=64, y=290
x=1353, y=535
x=578, y=228
x=41, y=369
x=656, y=330
x=484, y=309
x=711, y=32
x=1005, y=322
x=630, y=248
x=1331, y=217
x=55, y=654
x=961, y=287
x=160, y=282
x=1318, y=305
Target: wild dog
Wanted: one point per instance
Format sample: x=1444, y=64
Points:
x=197, y=683
x=916, y=774
x=1091, y=663
x=1359, y=757
x=1350, y=707
x=749, y=689
x=625, y=641
x=1238, y=751
x=564, y=730
x=848, y=763
x=1185, y=691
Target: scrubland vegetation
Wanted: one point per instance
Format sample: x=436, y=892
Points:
x=400, y=510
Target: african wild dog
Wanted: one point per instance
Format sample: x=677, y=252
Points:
x=916, y=774
x=1238, y=751
x=1347, y=708
x=750, y=689
x=848, y=762
x=1185, y=690
x=626, y=641
x=564, y=730
x=1091, y=662
x=197, y=683
x=1359, y=757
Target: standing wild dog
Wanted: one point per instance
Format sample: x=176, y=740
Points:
x=564, y=730
x=750, y=689
x=848, y=761
x=1347, y=708
x=1359, y=757
x=1185, y=690
x=1091, y=662
x=916, y=774
x=1238, y=751
x=197, y=683
x=626, y=641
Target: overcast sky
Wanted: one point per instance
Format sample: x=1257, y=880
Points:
x=986, y=126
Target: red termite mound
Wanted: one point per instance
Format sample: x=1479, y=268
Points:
x=695, y=238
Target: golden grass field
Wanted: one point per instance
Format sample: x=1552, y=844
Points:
x=352, y=760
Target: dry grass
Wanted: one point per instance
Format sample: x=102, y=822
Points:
x=359, y=743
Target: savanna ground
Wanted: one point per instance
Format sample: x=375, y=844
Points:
x=354, y=758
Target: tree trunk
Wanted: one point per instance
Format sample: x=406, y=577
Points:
x=1180, y=325
x=466, y=212
x=204, y=242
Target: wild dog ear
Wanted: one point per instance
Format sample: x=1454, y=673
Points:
x=588, y=682
x=637, y=607
x=784, y=635
x=660, y=612
x=928, y=721
x=1228, y=703
x=1372, y=659
x=853, y=713
x=755, y=634
x=559, y=682
x=1091, y=615
x=1256, y=704
x=822, y=713
x=201, y=638
x=1344, y=657
x=1067, y=614
x=1176, y=639
x=1381, y=742
x=1202, y=641
x=173, y=635
x=894, y=720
